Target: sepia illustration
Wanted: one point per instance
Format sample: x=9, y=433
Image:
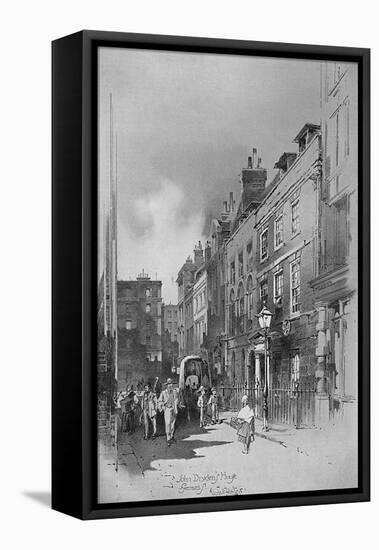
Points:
x=227, y=309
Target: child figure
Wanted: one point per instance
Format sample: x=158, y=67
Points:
x=201, y=403
x=213, y=402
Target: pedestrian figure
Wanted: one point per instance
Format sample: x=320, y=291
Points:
x=201, y=403
x=192, y=380
x=245, y=426
x=128, y=407
x=213, y=403
x=168, y=402
x=149, y=412
x=157, y=387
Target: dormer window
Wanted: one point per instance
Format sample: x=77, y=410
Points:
x=285, y=162
x=306, y=135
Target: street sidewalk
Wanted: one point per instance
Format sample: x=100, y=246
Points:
x=329, y=441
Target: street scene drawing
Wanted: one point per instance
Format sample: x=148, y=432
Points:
x=227, y=353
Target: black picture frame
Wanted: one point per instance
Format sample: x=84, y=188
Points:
x=74, y=206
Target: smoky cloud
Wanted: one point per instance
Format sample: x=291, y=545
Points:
x=185, y=125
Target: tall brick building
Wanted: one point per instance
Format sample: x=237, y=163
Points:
x=139, y=330
x=289, y=245
x=240, y=274
x=285, y=263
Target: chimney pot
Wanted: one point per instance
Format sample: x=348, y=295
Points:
x=259, y=162
x=249, y=162
x=254, y=156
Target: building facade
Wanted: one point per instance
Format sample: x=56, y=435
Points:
x=216, y=287
x=200, y=311
x=290, y=246
x=285, y=261
x=170, y=343
x=140, y=324
x=185, y=281
x=336, y=280
x=170, y=321
x=240, y=276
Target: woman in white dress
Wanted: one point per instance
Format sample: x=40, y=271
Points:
x=245, y=427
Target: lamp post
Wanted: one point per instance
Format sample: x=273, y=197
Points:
x=264, y=319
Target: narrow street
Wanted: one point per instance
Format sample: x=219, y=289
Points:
x=149, y=469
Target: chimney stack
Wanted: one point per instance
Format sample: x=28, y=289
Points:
x=259, y=162
x=249, y=162
x=225, y=206
x=231, y=202
x=198, y=255
x=208, y=251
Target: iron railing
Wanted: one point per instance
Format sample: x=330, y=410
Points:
x=287, y=404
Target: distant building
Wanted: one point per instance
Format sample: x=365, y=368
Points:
x=139, y=330
x=200, y=310
x=215, y=267
x=185, y=281
x=170, y=321
x=170, y=341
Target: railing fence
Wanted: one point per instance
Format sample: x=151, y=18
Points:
x=286, y=404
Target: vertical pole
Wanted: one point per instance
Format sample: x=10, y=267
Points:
x=265, y=390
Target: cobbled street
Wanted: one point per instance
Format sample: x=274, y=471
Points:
x=209, y=461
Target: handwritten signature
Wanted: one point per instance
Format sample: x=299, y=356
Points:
x=215, y=484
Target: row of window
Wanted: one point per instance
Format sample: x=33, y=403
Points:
x=264, y=242
x=294, y=365
x=172, y=313
x=279, y=286
x=199, y=301
x=278, y=231
x=237, y=306
x=337, y=142
x=152, y=292
x=200, y=330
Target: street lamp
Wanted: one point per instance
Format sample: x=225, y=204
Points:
x=264, y=319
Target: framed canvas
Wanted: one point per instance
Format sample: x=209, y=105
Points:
x=211, y=291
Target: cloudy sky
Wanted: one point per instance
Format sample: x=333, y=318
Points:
x=185, y=125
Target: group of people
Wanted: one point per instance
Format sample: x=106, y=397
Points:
x=155, y=401
x=208, y=404
x=206, y=400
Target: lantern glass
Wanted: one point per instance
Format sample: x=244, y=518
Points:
x=264, y=318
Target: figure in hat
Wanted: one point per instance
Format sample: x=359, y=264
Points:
x=213, y=403
x=245, y=427
x=201, y=403
x=149, y=411
x=168, y=402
